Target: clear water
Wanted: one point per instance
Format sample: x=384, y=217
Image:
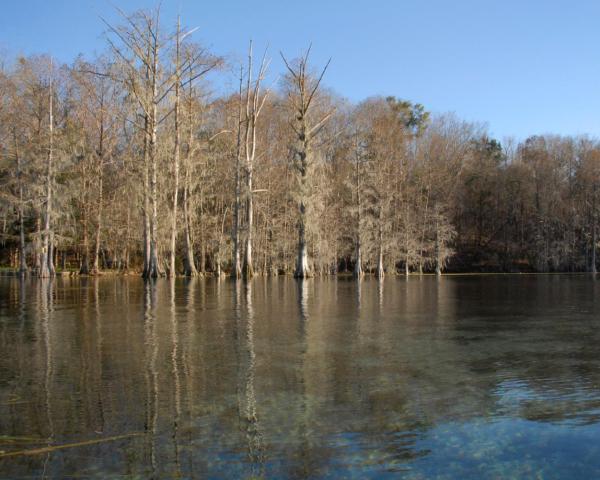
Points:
x=462, y=377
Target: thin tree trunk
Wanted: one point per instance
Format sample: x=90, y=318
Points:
x=22, y=246
x=84, y=260
x=38, y=243
x=171, y=270
x=438, y=263
x=248, y=267
x=84, y=267
x=358, y=272
x=47, y=263
x=594, y=239
x=423, y=232
x=127, y=241
x=237, y=268
x=380, y=273
x=202, y=258
x=407, y=241
x=52, y=254
x=146, y=208
x=250, y=148
x=189, y=264
x=96, y=265
x=154, y=269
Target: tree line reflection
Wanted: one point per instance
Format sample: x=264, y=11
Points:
x=279, y=377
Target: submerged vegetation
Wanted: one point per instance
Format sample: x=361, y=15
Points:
x=126, y=162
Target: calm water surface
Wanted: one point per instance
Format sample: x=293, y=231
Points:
x=462, y=377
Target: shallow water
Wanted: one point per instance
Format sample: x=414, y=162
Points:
x=462, y=377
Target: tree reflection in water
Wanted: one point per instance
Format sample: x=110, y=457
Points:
x=468, y=377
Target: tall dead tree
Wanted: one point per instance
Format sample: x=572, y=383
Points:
x=255, y=101
x=176, y=151
x=139, y=55
x=237, y=267
x=302, y=91
x=594, y=215
x=358, y=204
x=100, y=154
x=46, y=259
x=194, y=63
x=22, y=245
x=151, y=84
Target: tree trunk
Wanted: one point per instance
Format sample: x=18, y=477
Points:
x=52, y=255
x=146, y=207
x=153, y=270
x=189, y=264
x=46, y=261
x=302, y=265
x=252, y=112
x=438, y=263
x=237, y=268
x=358, y=271
x=84, y=259
x=594, y=238
x=127, y=241
x=248, y=268
x=407, y=241
x=594, y=241
x=171, y=270
x=22, y=246
x=202, y=259
x=38, y=244
x=96, y=264
x=380, y=273
x=84, y=268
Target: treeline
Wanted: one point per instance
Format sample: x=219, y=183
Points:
x=127, y=162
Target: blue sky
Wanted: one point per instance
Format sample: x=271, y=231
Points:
x=523, y=67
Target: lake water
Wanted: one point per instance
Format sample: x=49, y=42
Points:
x=459, y=377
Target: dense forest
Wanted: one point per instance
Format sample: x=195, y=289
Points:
x=129, y=162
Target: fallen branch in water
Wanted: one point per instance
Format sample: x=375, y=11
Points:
x=8, y=440
x=38, y=451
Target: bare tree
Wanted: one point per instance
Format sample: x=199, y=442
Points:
x=303, y=88
x=127, y=162
x=46, y=259
x=255, y=100
x=237, y=266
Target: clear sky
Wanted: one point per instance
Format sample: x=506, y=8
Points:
x=524, y=67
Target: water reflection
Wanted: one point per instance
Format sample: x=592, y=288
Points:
x=253, y=429
x=45, y=311
x=454, y=377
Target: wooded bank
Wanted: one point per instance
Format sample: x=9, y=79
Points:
x=126, y=162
